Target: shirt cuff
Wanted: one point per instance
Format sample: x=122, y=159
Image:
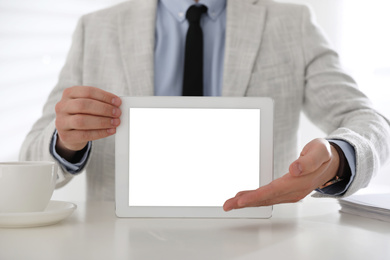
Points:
x=341, y=187
x=72, y=168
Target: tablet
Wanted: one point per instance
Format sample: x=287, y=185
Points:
x=183, y=157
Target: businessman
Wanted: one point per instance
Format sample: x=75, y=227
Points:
x=250, y=48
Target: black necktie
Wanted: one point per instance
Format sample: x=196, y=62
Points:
x=193, y=59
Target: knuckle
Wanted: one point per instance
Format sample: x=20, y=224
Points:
x=105, y=97
x=58, y=107
x=80, y=105
x=319, y=140
x=108, y=110
x=239, y=193
x=324, y=147
x=67, y=92
x=103, y=122
x=88, y=91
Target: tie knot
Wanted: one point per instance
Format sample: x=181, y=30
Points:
x=195, y=12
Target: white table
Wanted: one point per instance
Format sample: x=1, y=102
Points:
x=313, y=229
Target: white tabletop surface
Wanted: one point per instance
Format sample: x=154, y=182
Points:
x=312, y=229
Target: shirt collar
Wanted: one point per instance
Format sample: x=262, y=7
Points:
x=178, y=8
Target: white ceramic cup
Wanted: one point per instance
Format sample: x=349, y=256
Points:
x=26, y=186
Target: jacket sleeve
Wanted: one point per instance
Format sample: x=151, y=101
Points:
x=335, y=104
x=36, y=145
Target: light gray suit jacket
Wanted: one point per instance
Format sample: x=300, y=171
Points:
x=272, y=49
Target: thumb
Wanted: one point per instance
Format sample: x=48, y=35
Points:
x=313, y=155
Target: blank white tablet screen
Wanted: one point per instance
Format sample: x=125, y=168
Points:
x=191, y=156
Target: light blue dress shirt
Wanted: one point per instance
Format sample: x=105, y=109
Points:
x=171, y=29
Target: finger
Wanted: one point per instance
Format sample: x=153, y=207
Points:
x=248, y=198
x=286, y=189
x=313, y=155
x=231, y=203
x=242, y=192
x=88, y=122
x=287, y=197
x=257, y=198
x=260, y=197
x=92, y=93
x=83, y=136
x=91, y=107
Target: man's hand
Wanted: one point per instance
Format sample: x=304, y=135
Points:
x=317, y=164
x=84, y=114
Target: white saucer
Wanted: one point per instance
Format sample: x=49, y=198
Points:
x=55, y=212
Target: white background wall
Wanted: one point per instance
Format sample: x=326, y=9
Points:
x=35, y=37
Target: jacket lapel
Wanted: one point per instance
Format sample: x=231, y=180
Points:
x=244, y=26
x=136, y=42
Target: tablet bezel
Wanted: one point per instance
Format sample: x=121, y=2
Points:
x=122, y=155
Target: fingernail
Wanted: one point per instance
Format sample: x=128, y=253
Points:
x=115, y=112
x=297, y=169
x=115, y=122
x=116, y=101
x=111, y=131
